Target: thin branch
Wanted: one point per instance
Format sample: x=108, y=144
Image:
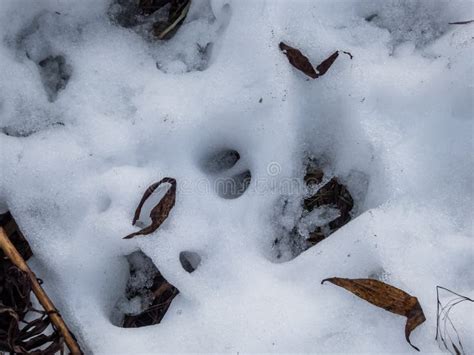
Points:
x=461, y=22
x=442, y=318
x=176, y=22
x=15, y=257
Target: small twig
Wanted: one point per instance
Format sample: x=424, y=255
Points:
x=442, y=318
x=175, y=23
x=10, y=251
x=461, y=22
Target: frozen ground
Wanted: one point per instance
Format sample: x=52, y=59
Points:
x=91, y=113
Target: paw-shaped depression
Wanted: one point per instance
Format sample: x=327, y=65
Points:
x=229, y=175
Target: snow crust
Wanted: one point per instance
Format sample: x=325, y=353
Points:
x=395, y=124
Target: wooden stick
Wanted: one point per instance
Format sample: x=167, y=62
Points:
x=15, y=257
x=462, y=22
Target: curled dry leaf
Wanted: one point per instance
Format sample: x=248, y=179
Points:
x=298, y=60
x=302, y=63
x=160, y=212
x=387, y=297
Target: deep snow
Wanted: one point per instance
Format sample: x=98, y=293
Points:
x=395, y=123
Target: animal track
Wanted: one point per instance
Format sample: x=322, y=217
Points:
x=230, y=179
x=103, y=203
x=189, y=260
x=55, y=74
x=235, y=186
x=147, y=297
x=329, y=203
x=221, y=161
x=42, y=42
x=160, y=21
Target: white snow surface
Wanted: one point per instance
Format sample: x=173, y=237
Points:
x=398, y=118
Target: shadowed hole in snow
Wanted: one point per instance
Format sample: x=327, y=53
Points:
x=329, y=203
x=220, y=161
x=235, y=186
x=43, y=40
x=103, y=203
x=26, y=129
x=188, y=47
x=55, y=74
x=147, y=295
x=189, y=260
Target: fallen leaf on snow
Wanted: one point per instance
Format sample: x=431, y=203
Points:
x=302, y=63
x=160, y=212
x=298, y=60
x=387, y=297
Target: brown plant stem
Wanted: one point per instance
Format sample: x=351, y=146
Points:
x=10, y=251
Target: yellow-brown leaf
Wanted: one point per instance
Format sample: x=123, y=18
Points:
x=385, y=296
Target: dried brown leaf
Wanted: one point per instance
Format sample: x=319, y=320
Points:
x=17, y=334
x=334, y=194
x=160, y=212
x=387, y=297
x=302, y=63
x=15, y=288
x=9, y=328
x=163, y=294
x=298, y=60
x=328, y=62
